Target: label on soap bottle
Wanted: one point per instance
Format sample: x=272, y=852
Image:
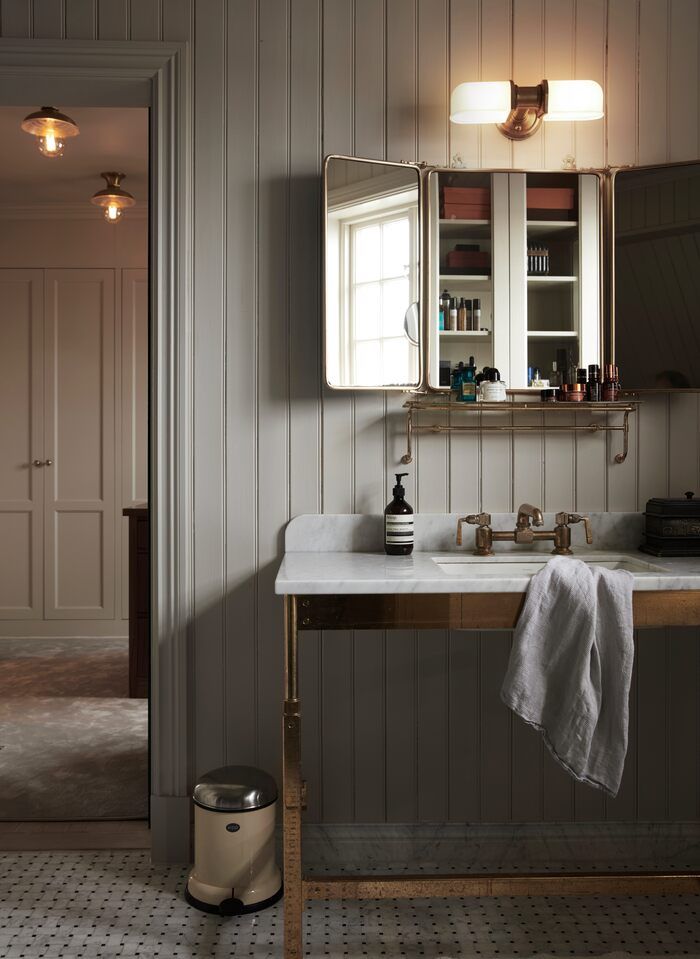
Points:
x=398, y=529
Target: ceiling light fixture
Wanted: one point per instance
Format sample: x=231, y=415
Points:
x=112, y=198
x=52, y=128
x=519, y=111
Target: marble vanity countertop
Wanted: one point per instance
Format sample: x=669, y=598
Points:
x=327, y=554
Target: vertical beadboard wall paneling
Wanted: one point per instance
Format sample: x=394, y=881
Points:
x=400, y=721
x=369, y=437
x=273, y=361
x=241, y=319
x=305, y=335
x=81, y=19
x=589, y=64
x=683, y=724
x=209, y=427
x=683, y=80
x=145, y=18
x=49, y=19
x=16, y=18
x=113, y=18
x=176, y=19
x=432, y=462
x=465, y=64
x=654, y=65
x=496, y=64
x=337, y=766
x=621, y=77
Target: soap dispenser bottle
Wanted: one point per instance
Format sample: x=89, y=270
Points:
x=398, y=522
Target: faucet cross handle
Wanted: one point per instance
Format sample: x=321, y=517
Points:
x=474, y=519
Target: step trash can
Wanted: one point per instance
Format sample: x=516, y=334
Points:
x=234, y=842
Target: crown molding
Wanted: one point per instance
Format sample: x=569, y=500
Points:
x=65, y=211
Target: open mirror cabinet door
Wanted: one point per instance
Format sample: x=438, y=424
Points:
x=653, y=334
x=521, y=276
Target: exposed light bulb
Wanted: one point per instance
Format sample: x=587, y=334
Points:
x=49, y=146
x=112, y=213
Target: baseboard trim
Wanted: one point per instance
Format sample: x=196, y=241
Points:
x=170, y=829
x=63, y=629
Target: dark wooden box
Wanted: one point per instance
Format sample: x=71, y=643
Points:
x=672, y=527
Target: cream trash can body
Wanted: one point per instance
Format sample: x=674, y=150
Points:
x=234, y=847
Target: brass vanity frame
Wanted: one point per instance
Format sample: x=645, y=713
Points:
x=481, y=611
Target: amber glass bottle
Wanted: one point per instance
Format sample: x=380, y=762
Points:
x=398, y=522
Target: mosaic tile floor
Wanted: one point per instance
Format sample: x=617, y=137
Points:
x=103, y=904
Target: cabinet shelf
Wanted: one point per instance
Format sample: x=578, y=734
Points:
x=549, y=227
x=465, y=334
x=465, y=278
x=551, y=281
x=454, y=229
x=444, y=403
x=552, y=334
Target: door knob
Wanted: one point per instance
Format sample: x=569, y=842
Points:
x=38, y=463
x=48, y=463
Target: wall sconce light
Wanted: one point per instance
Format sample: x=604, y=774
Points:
x=52, y=128
x=112, y=198
x=519, y=111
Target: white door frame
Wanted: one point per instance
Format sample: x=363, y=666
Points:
x=155, y=75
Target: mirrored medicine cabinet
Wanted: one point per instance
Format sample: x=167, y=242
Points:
x=426, y=267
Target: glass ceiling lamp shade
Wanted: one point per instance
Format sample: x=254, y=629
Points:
x=113, y=198
x=519, y=111
x=52, y=129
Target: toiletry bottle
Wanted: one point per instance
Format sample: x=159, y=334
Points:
x=462, y=315
x=468, y=392
x=445, y=298
x=476, y=315
x=398, y=522
x=453, y=314
x=441, y=318
x=593, y=386
x=610, y=389
x=470, y=315
x=457, y=375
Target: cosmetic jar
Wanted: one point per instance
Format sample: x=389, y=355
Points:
x=548, y=395
x=573, y=392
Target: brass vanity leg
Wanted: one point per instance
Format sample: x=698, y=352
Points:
x=292, y=791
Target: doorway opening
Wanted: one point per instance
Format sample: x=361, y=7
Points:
x=74, y=475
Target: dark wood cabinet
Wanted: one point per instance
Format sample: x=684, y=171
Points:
x=139, y=600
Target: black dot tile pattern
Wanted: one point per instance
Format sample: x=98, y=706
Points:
x=106, y=904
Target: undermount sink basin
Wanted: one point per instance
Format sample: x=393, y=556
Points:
x=529, y=563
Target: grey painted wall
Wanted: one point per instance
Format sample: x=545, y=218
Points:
x=402, y=726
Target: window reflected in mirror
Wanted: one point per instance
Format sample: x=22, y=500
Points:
x=657, y=277
x=372, y=274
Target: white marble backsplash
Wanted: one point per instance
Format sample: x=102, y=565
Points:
x=359, y=533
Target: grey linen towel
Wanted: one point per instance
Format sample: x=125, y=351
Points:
x=571, y=665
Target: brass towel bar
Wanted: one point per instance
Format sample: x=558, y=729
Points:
x=428, y=405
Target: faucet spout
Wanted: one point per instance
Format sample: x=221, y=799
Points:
x=526, y=512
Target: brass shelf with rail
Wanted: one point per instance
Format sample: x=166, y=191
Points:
x=423, y=405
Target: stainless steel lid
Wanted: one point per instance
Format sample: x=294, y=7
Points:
x=235, y=789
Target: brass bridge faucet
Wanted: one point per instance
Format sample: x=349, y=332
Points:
x=524, y=532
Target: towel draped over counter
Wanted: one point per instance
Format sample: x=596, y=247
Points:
x=571, y=666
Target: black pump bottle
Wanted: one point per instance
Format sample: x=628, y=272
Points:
x=398, y=522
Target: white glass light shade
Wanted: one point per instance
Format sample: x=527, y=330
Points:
x=574, y=100
x=480, y=102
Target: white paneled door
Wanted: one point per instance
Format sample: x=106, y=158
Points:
x=79, y=433
x=21, y=443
